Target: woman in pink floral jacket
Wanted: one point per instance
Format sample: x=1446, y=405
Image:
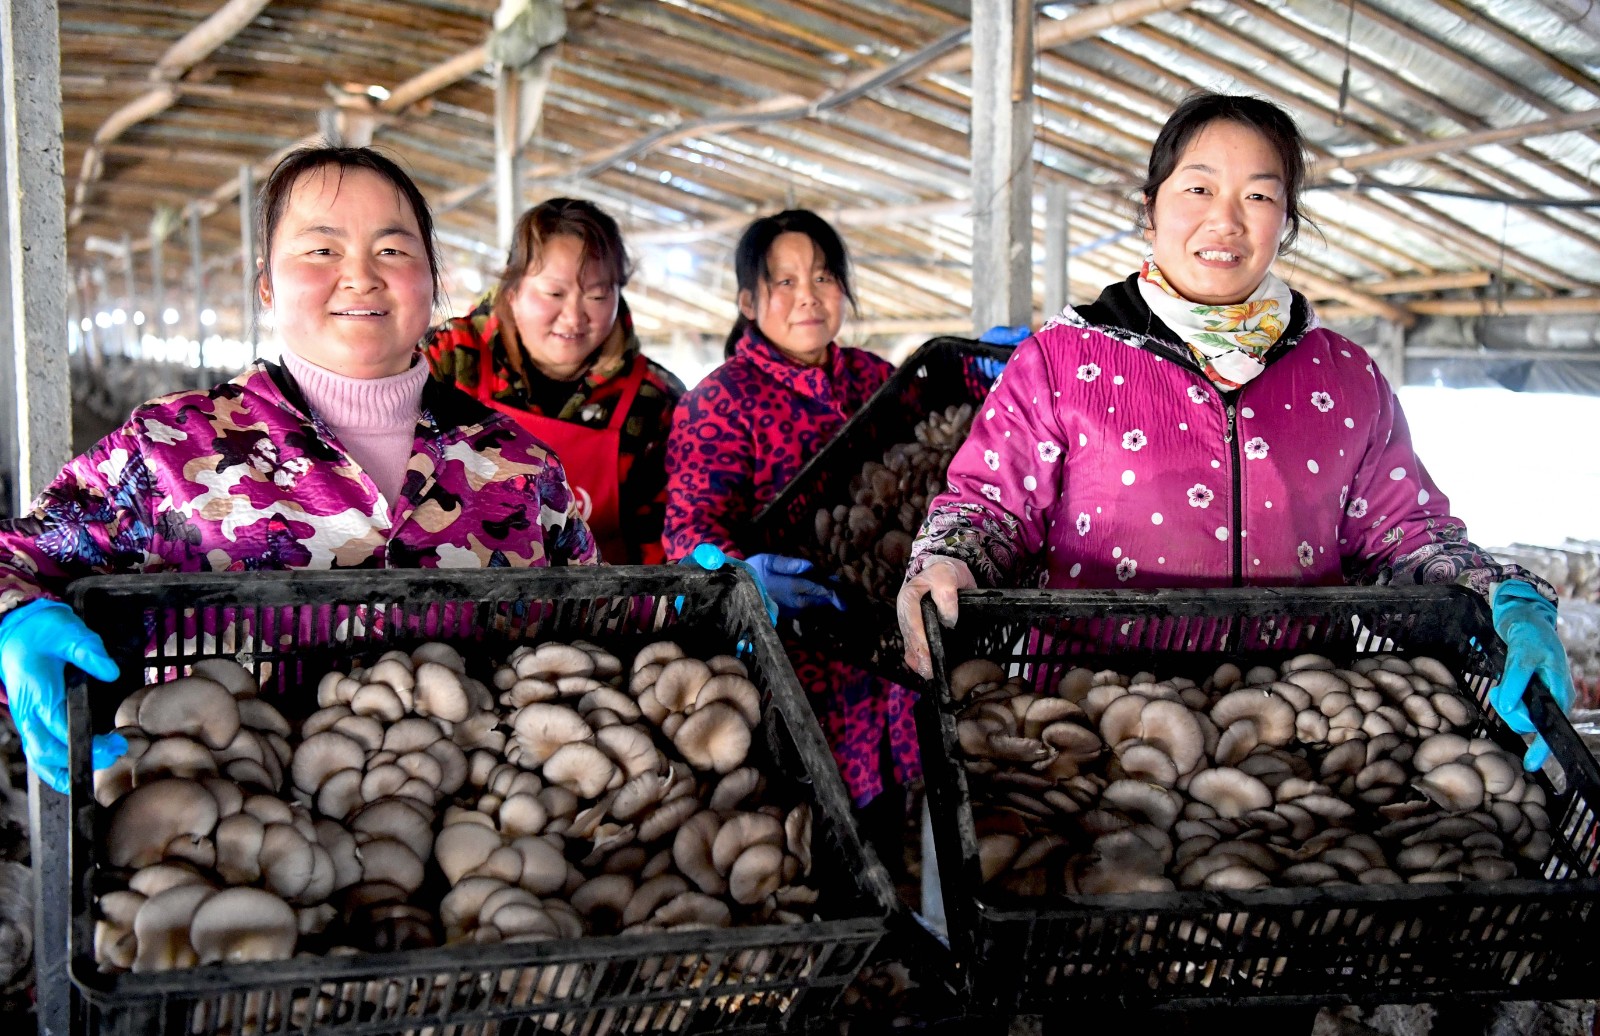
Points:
x=1194, y=426
x=346, y=456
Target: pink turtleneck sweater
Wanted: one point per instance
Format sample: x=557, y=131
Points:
x=375, y=419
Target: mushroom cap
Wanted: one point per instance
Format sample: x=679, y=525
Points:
x=611, y=700
x=390, y=860
x=412, y=734
x=194, y=707
x=1171, y=727
x=737, y=691
x=322, y=754
x=148, y=818
x=1455, y=787
x=243, y=924
x=735, y=787
x=974, y=673
x=544, y=869
x=1273, y=716
x=238, y=840
x=581, y=768
x=714, y=738
x=1229, y=791
x=259, y=714
x=173, y=756
x=378, y=700
x=693, y=908
x=552, y=661
x=679, y=683
x=691, y=852
x=650, y=895
x=398, y=818
x=288, y=864
x=161, y=928
x=665, y=818
x=1151, y=801
x=521, y=814
x=605, y=892
x=441, y=693
x=659, y=653
x=756, y=874
x=631, y=748
x=462, y=848
x=543, y=728
x=741, y=831
x=1438, y=750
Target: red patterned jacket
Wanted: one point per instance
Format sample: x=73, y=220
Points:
x=737, y=439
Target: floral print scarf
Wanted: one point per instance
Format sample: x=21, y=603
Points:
x=1230, y=341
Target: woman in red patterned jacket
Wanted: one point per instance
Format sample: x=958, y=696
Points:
x=741, y=434
x=553, y=346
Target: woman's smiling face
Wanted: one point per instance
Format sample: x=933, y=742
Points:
x=1216, y=222
x=349, y=283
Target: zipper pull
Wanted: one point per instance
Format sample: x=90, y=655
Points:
x=1227, y=436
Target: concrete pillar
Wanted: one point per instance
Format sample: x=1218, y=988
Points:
x=9, y=504
x=1057, y=243
x=1002, y=163
x=247, y=255
x=36, y=238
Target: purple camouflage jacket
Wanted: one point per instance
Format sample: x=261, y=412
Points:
x=1104, y=458
x=243, y=478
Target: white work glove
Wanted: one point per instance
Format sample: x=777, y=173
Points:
x=942, y=578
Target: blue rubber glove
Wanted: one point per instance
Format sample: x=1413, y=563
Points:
x=776, y=576
x=780, y=575
x=1000, y=334
x=1527, y=623
x=710, y=557
x=37, y=640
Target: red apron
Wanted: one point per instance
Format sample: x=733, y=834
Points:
x=590, y=456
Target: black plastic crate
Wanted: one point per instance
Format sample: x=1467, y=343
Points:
x=938, y=375
x=288, y=628
x=1522, y=939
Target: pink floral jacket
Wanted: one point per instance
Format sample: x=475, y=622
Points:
x=1105, y=458
x=242, y=477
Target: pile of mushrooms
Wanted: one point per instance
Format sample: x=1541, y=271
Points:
x=574, y=798
x=387, y=746
x=194, y=808
x=1299, y=775
x=623, y=805
x=868, y=541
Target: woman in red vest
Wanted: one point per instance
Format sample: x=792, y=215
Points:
x=553, y=346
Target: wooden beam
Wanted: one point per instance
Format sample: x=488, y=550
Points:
x=1419, y=285
x=195, y=46
x=1467, y=141
x=1081, y=25
x=1326, y=287
x=1569, y=305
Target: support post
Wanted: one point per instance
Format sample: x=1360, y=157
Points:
x=197, y=268
x=36, y=240
x=1057, y=243
x=518, y=105
x=9, y=366
x=130, y=330
x=1392, y=352
x=507, y=154
x=1002, y=163
x=247, y=256
x=158, y=284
